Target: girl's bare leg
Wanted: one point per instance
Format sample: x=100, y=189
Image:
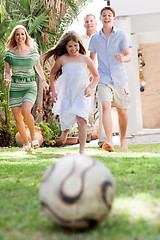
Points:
x=63, y=137
x=82, y=133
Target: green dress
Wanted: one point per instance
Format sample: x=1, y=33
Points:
x=23, y=87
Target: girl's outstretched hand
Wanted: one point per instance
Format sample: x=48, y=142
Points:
x=53, y=97
x=87, y=92
x=45, y=85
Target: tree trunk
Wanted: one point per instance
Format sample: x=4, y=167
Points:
x=39, y=102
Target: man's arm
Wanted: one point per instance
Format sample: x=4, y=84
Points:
x=127, y=55
x=93, y=56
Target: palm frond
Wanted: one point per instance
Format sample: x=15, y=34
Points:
x=40, y=7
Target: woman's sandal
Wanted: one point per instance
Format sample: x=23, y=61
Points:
x=35, y=144
x=26, y=148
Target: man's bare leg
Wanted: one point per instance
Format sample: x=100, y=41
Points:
x=107, y=124
x=123, y=121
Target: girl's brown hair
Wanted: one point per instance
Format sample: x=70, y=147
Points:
x=60, y=48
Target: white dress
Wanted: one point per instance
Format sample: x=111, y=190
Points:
x=70, y=88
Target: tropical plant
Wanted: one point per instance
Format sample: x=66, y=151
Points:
x=64, y=16
x=7, y=133
x=54, y=125
x=48, y=134
x=34, y=15
x=5, y=113
x=45, y=20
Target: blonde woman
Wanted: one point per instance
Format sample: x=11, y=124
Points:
x=20, y=59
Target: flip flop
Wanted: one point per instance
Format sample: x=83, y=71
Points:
x=26, y=148
x=107, y=147
x=35, y=144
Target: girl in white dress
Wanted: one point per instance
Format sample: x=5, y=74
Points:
x=72, y=90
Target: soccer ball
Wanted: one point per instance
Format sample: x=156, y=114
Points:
x=77, y=191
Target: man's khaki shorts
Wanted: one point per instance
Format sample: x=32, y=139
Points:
x=119, y=96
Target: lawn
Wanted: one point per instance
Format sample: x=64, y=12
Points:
x=135, y=213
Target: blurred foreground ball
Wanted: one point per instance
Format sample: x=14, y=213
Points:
x=77, y=191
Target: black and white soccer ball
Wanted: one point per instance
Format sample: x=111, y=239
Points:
x=77, y=191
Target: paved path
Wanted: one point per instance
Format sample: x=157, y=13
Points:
x=94, y=143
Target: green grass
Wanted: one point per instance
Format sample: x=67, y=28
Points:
x=135, y=213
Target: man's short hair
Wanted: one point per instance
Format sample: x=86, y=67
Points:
x=90, y=14
x=108, y=8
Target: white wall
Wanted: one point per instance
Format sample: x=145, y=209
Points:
x=135, y=111
x=145, y=23
x=131, y=7
x=148, y=37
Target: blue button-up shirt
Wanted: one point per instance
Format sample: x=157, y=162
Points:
x=108, y=66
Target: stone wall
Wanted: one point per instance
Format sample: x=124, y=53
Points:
x=150, y=98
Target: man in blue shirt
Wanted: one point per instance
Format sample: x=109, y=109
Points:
x=112, y=47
